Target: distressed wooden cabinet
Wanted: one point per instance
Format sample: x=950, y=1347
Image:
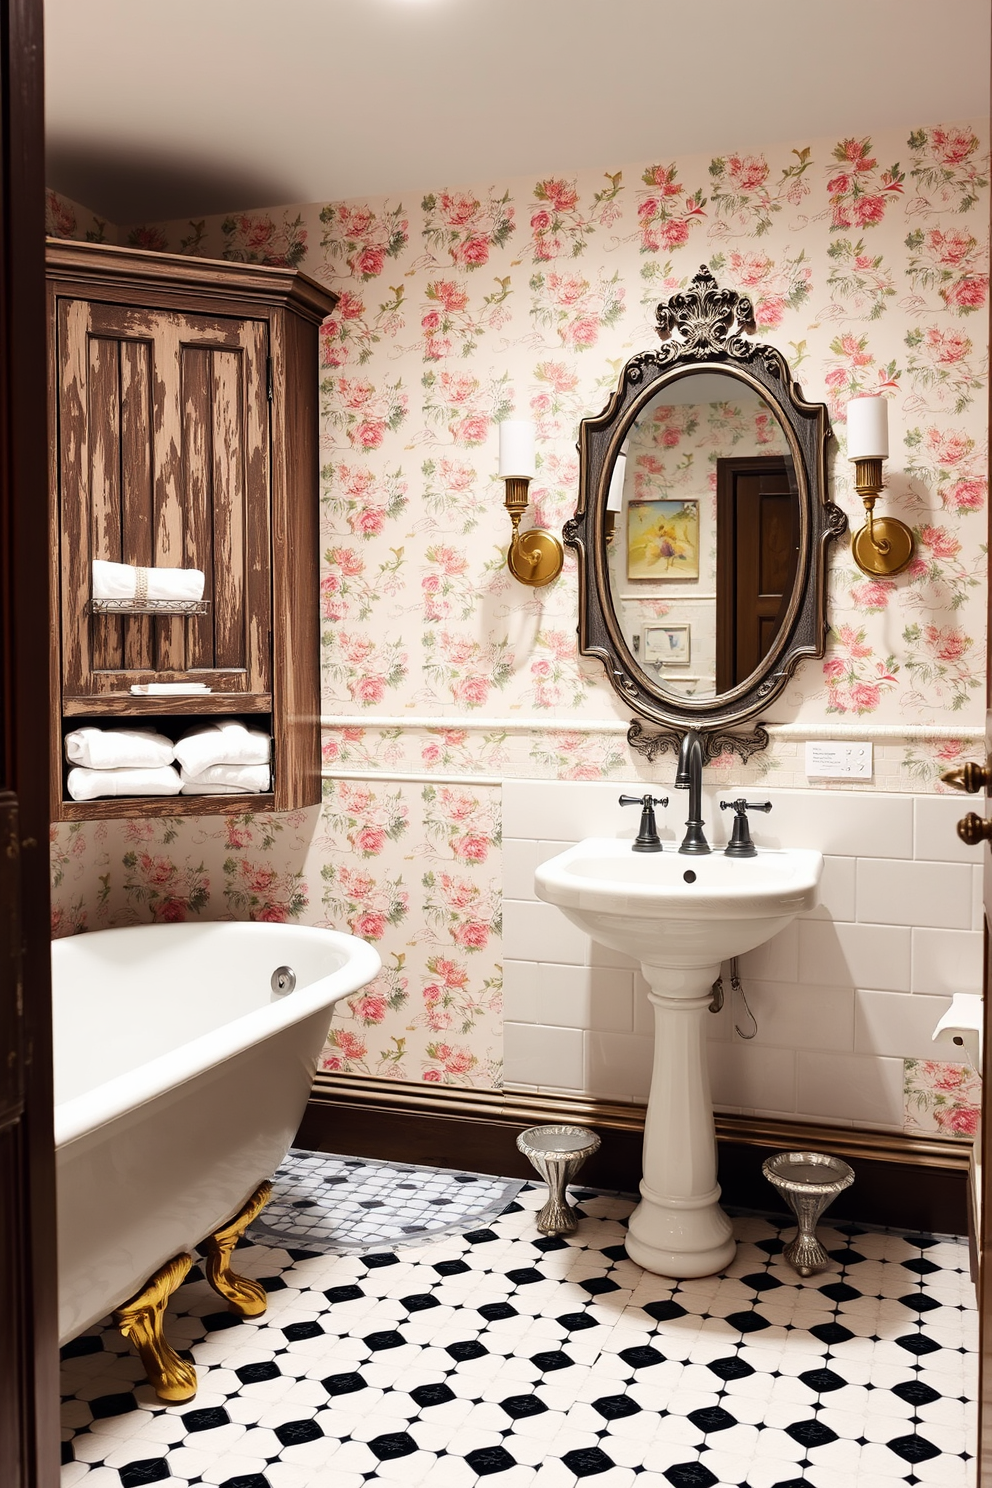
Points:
x=183, y=433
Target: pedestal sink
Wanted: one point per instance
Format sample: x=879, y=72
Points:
x=680, y=916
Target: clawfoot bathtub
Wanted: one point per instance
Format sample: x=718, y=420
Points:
x=184, y=1056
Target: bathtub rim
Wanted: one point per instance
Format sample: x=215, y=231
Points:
x=82, y=1114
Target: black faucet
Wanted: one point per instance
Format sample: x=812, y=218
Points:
x=740, y=844
x=689, y=776
x=647, y=839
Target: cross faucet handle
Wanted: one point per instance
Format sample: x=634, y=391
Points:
x=740, y=844
x=740, y=806
x=647, y=839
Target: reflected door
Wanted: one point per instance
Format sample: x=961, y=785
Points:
x=756, y=556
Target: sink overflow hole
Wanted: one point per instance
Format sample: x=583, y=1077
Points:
x=688, y=876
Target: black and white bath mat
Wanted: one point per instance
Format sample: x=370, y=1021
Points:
x=335, y=1205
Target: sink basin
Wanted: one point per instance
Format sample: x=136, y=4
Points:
x=687, y=911
x=681, y=916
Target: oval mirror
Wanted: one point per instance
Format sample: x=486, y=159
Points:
x=704, y=552
x=703, y=520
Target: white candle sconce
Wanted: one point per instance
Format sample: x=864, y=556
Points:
x=534, y=557
x=884, y=545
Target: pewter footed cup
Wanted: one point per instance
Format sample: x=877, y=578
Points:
x=809, y=1181
x=557, y=1152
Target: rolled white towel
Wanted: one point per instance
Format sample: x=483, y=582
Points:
x=228, y=742
x=124, y=581
x=118, y=749
x=217, y=779
x=87, y=785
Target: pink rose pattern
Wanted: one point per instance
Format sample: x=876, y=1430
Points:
x=363, y=238
x=865, y=260
x=352, y=333
x=745, y=194
x=860, y=191
x=560, y=226
x=450, y=324
x=63, y=220
x=945, y=1099
x=255, y=237
x=435, y=1011
x=462, y=231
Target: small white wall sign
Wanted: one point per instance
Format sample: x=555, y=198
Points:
x=830, y=760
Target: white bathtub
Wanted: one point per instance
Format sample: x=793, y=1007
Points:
x=180, y=1080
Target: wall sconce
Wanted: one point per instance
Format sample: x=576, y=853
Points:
x=534, y=557
x=614, y=497
x=883, y=547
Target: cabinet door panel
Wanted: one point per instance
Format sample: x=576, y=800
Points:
x=137, y=487
x=230, y=536
x=164, y=461
x=198, y=452
x=104, y=410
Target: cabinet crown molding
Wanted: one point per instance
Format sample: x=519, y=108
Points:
x=89, y=265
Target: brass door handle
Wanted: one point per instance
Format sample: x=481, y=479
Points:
x=970, y=777
x=973, y=829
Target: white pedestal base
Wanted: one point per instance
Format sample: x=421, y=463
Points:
x=678, y=1229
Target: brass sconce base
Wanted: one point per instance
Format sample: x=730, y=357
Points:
x=883, y=546
x=883, y=549
x=535, y=557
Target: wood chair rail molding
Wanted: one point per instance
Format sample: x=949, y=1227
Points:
x=523, y=1108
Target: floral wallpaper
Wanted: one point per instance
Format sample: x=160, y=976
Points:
x=65, y=218
x=866, y=260
x=943, y=1099
x=413, y=869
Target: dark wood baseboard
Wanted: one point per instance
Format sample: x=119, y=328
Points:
x=908, y=1182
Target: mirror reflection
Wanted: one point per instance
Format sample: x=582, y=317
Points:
x=704, y=505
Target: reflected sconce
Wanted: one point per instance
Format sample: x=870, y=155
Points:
x=534, y=557
x=614, y=497
x=883, y=547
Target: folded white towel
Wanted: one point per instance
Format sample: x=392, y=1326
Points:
x=256, y=781
x=252, y=779
x=124, y=581
x=167, y=689
x=228, y=742
x=118, y=749
x=87, y=785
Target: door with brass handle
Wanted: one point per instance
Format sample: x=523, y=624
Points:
x=971, y=777
x=974, y=829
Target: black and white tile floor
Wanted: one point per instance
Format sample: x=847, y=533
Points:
x=501, y=1355
x=341, y=1204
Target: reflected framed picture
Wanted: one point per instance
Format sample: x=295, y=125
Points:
x=667, y=645
x=663, y=539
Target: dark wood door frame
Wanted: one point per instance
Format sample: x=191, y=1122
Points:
x=29, y=1424
x=737, y=625
x=984, y=1197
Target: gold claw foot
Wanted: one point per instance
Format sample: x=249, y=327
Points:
x=246, y=1298
x=140, y=1321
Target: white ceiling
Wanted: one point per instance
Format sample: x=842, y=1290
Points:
x=175, y=108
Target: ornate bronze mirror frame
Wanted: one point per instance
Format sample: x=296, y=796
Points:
x=703, y=329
